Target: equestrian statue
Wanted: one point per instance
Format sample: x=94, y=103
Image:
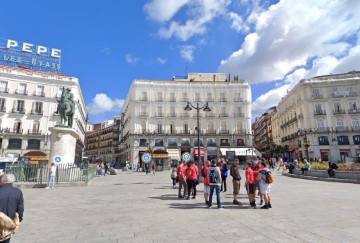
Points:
x=66, y=108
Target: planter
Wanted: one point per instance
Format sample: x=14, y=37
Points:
x=353, y=175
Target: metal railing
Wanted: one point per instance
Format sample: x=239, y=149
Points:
x=39, y=174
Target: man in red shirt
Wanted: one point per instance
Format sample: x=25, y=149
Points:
x=249, y=184
x=206, y=182
x=256, y=167
x=191, y=179
x=180, y=172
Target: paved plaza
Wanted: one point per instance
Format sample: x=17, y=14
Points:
x=134, y=207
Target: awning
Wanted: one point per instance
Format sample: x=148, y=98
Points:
x=202, y=152
x=36, y=155
x=241, y=151
x=160, y=154
x=173, y=153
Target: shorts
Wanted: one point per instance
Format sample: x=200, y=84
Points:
x=250, y=188
x=265, y=188
x=257, y=185
x=207, y=189
x=236, y=186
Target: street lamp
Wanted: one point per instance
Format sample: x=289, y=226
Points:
x=306, y=141
x=205, y=108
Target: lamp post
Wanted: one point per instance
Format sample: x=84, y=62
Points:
x=306, y=142
x=205, y=108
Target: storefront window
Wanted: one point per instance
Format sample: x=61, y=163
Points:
x=159, y=142
x=172, y=142
x=14, y=143
x=196, y=142
x=323, y=140
x=211, y=142
x=224, y=142
x=356, y=139
x=33, y=144
x=343, y=140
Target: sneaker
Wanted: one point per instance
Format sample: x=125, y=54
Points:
x=187, y=198
x=206, y=202
x=236, y=202
x=209, y=207
x=221, y=207
x=193, y=197
x=261, y=202
x=269, y=205
x=47, y=187
x=180, y=196
x=265, y=207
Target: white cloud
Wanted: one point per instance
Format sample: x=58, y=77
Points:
x=161, y=60
x=102, y=104
x=199, y=12
x=187, y=53
x=131, y=59
x=163, y=10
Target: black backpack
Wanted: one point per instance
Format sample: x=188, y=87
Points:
x=212, y=175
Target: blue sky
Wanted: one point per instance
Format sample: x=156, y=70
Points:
x=107, y=44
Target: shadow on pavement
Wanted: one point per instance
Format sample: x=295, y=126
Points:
x=166, y=197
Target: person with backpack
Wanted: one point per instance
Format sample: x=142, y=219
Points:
x=234, y=172
x=224, y=175
x=265, y=180
x=215, y=183
x=206, y=181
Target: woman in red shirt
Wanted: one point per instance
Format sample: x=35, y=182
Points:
x=191, y=179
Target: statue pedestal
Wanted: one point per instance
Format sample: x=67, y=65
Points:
x=63, y=144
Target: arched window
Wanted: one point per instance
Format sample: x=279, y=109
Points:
x=17, y=126
x=355, y=122
x=172, y=128
x=186, y=128
x=239, y=126
x=35, y=127
x=223, y=126
x=320, y=123
x=210, y=126
x=339, y=123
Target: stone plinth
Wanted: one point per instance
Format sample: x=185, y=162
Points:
x=63, y=144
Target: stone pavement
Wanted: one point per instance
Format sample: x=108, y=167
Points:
x=134, y=207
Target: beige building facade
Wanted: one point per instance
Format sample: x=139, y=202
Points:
x=320, y=118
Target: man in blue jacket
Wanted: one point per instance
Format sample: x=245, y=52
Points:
x=11, y=199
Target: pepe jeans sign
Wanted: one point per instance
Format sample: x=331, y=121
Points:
x=27, y=54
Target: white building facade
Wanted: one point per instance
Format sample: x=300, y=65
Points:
x=320, y=118
x=28, y=100
x=153, y=116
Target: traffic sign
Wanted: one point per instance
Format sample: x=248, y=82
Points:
x=186, y=156
x=146, y=158
x=57, y=159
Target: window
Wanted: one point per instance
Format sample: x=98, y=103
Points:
x=185, y=142
x=184, y=97
x=318, y=108
x=159, y=142
x=356, y=139
x=40, y=91
x=223, y=126
x=339, y=123
x=343, y=140
x=320, y=123
x=172, y=142
x=197, y=97
x=14, y=143
x=159, y=111
x=159, y=128
x=352, y=106
x=158, y=96
x=196, y=142
x=37, y=108
x=17, y=127
x=240, y=142
x=2, y=105
x=143, y=142
x=3, y=87
x=323, y=140
x=237, y=97
x=209, y=97
x=186, y=128
x=222, y=97
x=337, y=106
x=211, y=126
x=33, y=144
x=355, y=122
x=211, y=142
x=172, y=128
x=239, y=126
x=224, y=142
x=143, y=95
x=20, y=104
x=35, y=127
x=143, y=127
x=21, y=89
x=172, y=97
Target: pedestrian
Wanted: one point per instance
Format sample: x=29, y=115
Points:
x=214, y=176
x=264, y=186
x=281, y=165
x=234, y=172
x=153, y=167
x=147, y=168
x=256, y=167
x=306, y=167
x=206, y=181
x=52, y=173
x=173, y=176
x=224, y=175
x=11, y=205
x=106, y=168
x=249, y=184
x=331, y=169
x=271, y=164
x=180, y=172
x=191, y=179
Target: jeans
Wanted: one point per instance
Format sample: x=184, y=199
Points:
x=223, y=183
x=174, y=181
x=51, y=181
x=217, y=187
x=303, y=170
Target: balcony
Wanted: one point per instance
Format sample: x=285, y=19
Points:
x=354, y=111
x=172, y=100
x=224, y=131
x=344, y=93
x=159, y=114
x=4, y=90
x=238, y=100
x=158, y=99
x=34, y=131
x=18, y=111
x=339, y=112
x=239, y=115
x=342, y=129
x=172, y=115
x=197, y=99
x=185, y=115
x=323, y=129
x=143, y=99
x=210, y=99
x=16, y=131
x=200, y=115
x=39, y=93
x=319, y=112
x=210, y=114
x=223, y=99
x=317, y=96
x=223, y=114
x=143, y=114
x=211, y=131
x=240, y=131
x=184, y=99
x=21, y=92
x=355, y=128
x=37, y=112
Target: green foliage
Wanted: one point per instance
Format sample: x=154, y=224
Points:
x=325, y=165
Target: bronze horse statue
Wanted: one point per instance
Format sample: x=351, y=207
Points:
x=66, y=108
